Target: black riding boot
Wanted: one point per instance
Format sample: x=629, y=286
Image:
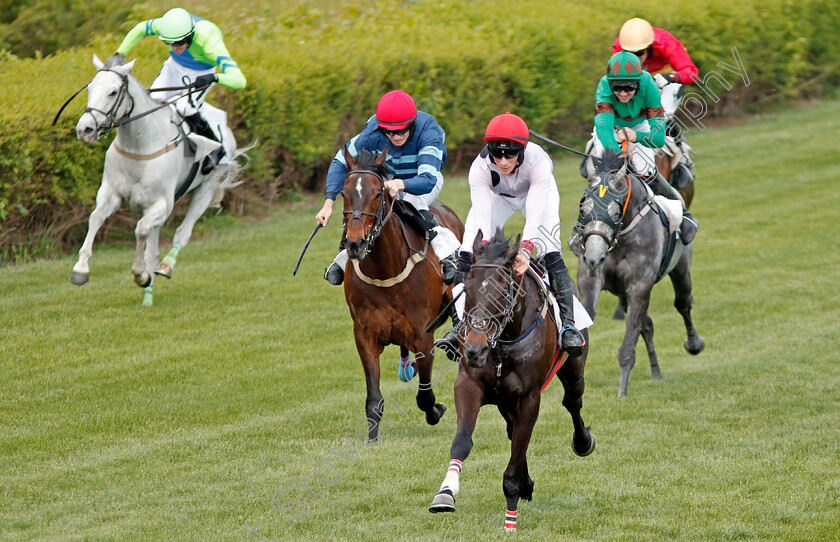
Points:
x=661, y=187
x=334, y=273
x=201, y=127
x=447, y=264
x=449, y=342
x=564, y=289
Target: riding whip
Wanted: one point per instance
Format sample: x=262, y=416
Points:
x=539, y=136
x=302, y=252
x=66, y=103
x=444, y=314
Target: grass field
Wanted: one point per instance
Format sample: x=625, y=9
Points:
x=228, y=411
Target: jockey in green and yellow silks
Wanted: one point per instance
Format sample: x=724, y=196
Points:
x=628, y=108
x=196, y=51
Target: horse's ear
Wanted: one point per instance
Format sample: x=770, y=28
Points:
x=98, y=64
x=478, y=248
x=348, y=158
x=124, y=69
x=382, y=156
x=590, y=169
x=623, y=171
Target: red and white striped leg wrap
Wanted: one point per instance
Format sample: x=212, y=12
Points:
x=405, y=361
x=452, y=480
x=510, y=520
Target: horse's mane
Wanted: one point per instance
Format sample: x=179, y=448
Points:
x=498, y=246
x=610, y=160
x=367, y=160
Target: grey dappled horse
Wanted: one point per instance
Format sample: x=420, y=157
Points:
x=146, y=166
x=625, y=249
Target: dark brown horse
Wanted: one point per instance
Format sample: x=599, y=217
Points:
x=663, y=165
x=509, y=352
x=393, y=282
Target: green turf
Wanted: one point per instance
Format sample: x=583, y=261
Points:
x=196, y=419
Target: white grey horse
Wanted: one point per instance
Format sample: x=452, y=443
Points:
x=147, y=165
x=624, y=247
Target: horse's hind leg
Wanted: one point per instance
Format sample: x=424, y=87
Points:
x=636, y=311
x=107, y=201
x=516, y=482
x=201, y=198
x=647, y=335
x=369, y=353
x=572, y=377
x=681, y=279
x=152, y=255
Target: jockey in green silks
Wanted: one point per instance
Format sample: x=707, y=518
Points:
x=196, y=50
x=628, y=107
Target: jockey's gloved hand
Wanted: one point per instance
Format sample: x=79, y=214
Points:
x=117, y=59
x=205, y=80
x=660, y=80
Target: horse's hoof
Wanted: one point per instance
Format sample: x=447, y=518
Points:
x=434, y=416
x=443, y=502
x=143, y=279
x=655, y=372
x=695, y=346
x=587, y=452
x=164, y=269
x=79, y=279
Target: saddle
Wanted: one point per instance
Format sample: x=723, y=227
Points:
x=421, y=221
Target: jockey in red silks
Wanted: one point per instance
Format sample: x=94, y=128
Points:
x=659, y=51
x=512, y=174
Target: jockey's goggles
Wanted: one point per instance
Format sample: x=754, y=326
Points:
x=395, y=133
x=624, y=85
x=511, y=150
x=179, y=43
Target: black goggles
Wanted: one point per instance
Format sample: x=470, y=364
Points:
x=497, y=152
x=179, y=43
x=623, y=85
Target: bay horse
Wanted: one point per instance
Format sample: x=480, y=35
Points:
x=625, y=249
x=509, y=352
x=393, y=283
x=149, y=167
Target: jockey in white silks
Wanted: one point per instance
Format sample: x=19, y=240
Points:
x=511, y=174
x=416, y=146
x=196, y=51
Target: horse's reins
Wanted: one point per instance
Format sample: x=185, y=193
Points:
x=379, y=217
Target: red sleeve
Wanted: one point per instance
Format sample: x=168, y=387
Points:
x=616, y=46
x=677, y=57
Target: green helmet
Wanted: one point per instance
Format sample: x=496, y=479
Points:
x=176, y=25
x=624, y=65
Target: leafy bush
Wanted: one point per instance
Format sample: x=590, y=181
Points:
x=315, y=75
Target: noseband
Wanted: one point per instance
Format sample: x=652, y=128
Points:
x=379, y=217
x=483, y=323
x=111, y=121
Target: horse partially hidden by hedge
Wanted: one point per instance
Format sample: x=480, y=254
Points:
x=394, y=286
x=149, y=165
x=625, y=249
x=509, y=352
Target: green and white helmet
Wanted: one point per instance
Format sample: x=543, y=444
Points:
x=624, y=65
x=176, y=25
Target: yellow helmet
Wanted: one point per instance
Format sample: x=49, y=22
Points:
x=635, y=35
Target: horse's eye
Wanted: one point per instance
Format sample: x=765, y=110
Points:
x=614, y=210
x=112, y=93
x=586, y=206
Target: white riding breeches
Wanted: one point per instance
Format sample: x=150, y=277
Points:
x=172, y=75
x=644, y=158
x=421, y=202
x=502, y=208
x=671, y=98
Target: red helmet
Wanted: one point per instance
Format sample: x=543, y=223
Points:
x=396, y=110
x=507, y=127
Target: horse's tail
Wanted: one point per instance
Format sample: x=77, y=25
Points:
x=238, y=162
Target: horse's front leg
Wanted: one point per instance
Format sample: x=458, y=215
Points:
x=153, y=218
x=516, y=483
x=468, y=394
x=637, y=307
x=647, y=335
x=201, y=198
x=107, y=201
x=589, y=287
x=572, y=377
x=369, y=352
x=152, y=256
x=425, y=395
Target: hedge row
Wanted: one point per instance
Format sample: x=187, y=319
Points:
x=314, y=77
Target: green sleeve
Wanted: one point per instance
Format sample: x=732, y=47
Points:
x=209, y=38
x=605, y=129
x=654, y=139
x=146, y=28
x=652, y=101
